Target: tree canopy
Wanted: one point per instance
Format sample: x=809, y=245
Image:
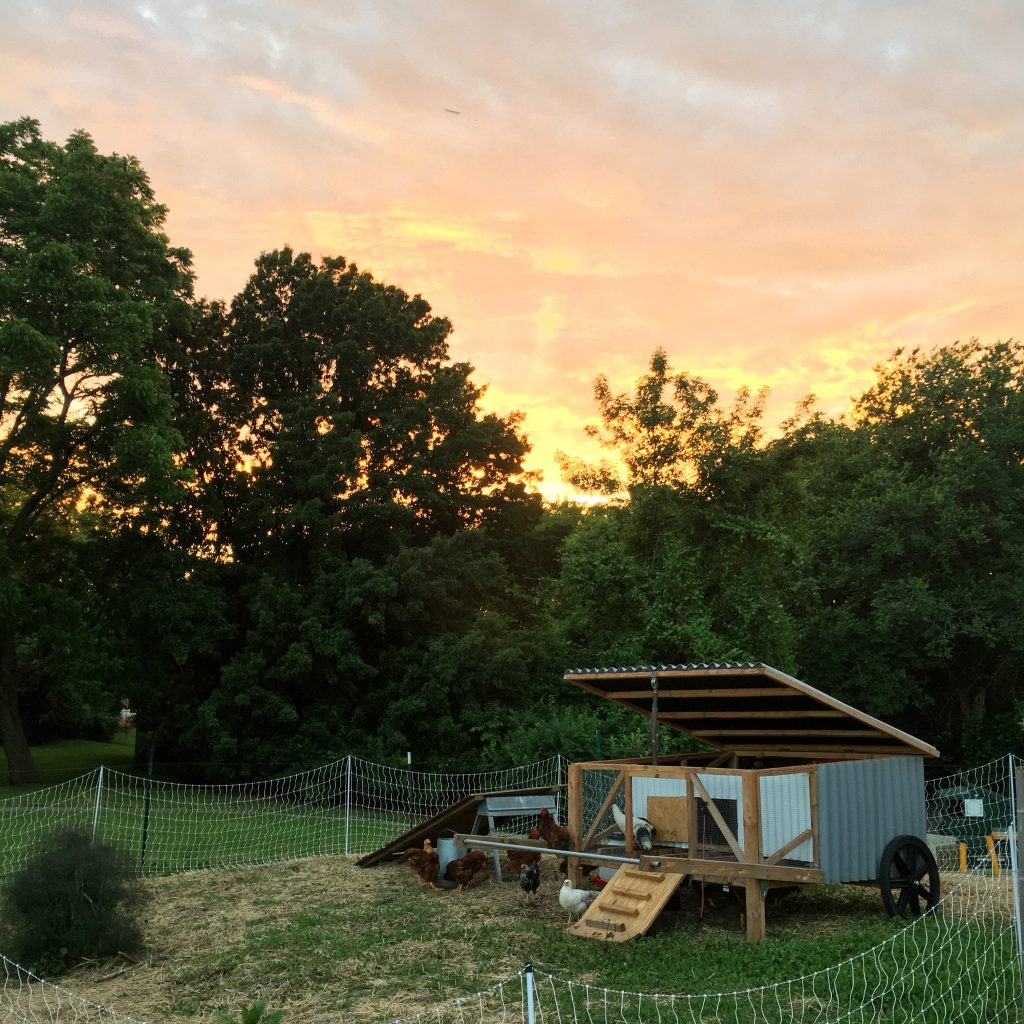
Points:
x=91, y=294
x=286, y=529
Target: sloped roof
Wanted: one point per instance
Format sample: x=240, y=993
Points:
x=750, y=708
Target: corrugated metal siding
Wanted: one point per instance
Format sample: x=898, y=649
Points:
x=861, y=806
x=785, y=813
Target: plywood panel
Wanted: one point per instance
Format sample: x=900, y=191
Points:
x=670, y=817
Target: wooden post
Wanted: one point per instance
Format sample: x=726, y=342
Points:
x=575, y=819
x=752, y=854
x=755, y=910
x=812, y=786
x=692, y=838
x=627, y=800
x=654, y=716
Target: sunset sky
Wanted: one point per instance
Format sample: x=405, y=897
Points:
x=777, y=193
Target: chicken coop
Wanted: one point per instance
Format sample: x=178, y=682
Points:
x=796, y=787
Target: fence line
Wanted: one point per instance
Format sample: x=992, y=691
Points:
x=349, y=806
x=961, y=963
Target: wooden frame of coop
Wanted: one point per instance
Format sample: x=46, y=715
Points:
x=802, y=789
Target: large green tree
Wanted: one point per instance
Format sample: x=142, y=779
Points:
x=361, y=504
x=917, y=546
x=92, y=298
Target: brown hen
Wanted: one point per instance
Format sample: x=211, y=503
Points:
x=518, y=859
x=463, y=869
x=425, y=863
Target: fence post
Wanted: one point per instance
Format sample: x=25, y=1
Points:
x=530, y=1017
x=348, y=799
x=1017, y=855
x=145, y=804
x=96, y=808
x=408, y=787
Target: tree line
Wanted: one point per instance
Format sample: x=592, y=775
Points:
x=284, y=529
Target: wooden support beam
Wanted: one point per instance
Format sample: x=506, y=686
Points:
x=755, y=912
x=575, y=822
x=815, y=733
x=789, y=847
x=729, y=872
x=722, y=760
x=628, y=810
x=751, y=714
x=812, y=786
x=736, y=691
x=751, y=818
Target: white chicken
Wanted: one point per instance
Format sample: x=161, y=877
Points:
x=643, y=830
x=575, y=901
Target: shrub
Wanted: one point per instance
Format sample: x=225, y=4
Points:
x=75, y=898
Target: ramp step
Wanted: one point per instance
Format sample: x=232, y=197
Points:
x=614, y=908
x=604, y=925
x=633, y=894
x=646, y=876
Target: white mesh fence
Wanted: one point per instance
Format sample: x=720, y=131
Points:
x=24, y=997
x=346, y=807
x=960, y=963
x=386, y=802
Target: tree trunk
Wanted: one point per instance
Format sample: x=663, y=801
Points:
x=20, y=769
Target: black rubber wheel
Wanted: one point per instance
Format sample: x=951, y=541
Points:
x=908, y=877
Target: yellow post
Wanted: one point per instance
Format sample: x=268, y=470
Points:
x=963, y=858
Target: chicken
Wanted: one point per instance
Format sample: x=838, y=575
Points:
x=643, y=830
x=555, y=836
x=575, y=901
x=463, y=869
x=425, y=863
x=518, y=859
x=529, y=878
x=558, y=838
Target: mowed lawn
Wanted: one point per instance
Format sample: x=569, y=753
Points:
x=171, y=827
x=67, y=759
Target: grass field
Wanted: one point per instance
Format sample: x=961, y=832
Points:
x=66, y=759
x=325, y=940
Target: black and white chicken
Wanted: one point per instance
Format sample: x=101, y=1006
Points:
x=529, y=878
x=643, y=830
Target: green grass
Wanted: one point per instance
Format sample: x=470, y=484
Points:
x=66, y=759
x=323, y=939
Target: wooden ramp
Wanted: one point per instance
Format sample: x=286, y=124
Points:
x=459, y=817
x=627, y=906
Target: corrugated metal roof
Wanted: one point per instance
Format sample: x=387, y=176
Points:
x=750, y=708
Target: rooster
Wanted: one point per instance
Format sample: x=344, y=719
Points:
x=643, y=830
x=425, y=863
x=465, y=868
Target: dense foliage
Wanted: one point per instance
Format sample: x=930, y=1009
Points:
x=76, y=897
x=285, y=529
